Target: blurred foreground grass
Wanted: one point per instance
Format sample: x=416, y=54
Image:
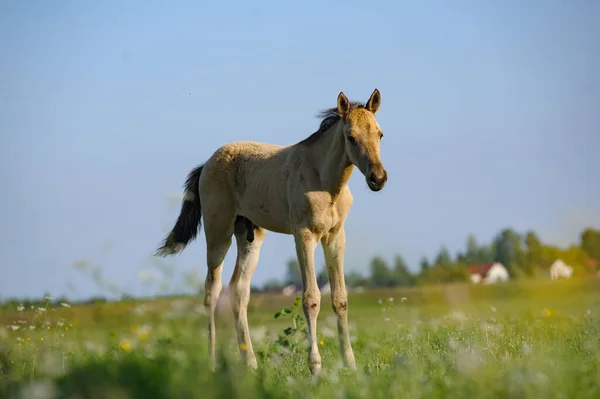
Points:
x=536, y=339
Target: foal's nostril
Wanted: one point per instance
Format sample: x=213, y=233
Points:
x=373, y=179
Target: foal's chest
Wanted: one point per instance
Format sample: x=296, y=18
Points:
x=326, y=214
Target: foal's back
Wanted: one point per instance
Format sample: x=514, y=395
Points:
x=256, y=175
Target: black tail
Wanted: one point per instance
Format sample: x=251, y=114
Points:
x=188, y=223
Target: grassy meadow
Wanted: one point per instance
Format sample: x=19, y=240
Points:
x=531, y=339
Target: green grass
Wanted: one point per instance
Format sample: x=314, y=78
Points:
x=527, y=340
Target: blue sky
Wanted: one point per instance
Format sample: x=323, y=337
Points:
x=490, y=112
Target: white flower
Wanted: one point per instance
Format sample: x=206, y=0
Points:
x=14, y=327
x=403, y=299
x=65, y=305
x=20, y=308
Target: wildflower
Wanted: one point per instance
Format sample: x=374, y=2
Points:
x=49, y=298
x=403, y=299
x=31, y=328
x=20, y=308
x=14, y=327
x=42, y=339
x=125, y=345
x=243, y=347
x=19, y=345
x=65, y=305
x=493, y=309
x=143, y=332
x=41, y=310
x=547, y=312
x=391, y=299
x=322, y=342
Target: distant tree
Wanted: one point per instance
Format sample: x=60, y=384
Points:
x=272, y=285
x=533, y=252
x=322, y=276
x=355, y=279
x=509, y=250
x=424, y=265
x=293, y=275
x=381, y=275
x=473, y=253
x=402, y=275
x=443, y=259
x=590, y=243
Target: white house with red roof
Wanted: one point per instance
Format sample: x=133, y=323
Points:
x=488, y=273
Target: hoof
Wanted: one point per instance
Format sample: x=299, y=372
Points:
x=315, y=368
x=251, y=364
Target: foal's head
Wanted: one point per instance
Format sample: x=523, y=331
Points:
x=363, y=138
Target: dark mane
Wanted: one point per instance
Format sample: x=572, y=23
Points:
x=330, y=117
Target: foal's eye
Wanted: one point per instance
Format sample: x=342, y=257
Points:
x=380, y=136
x=351, y=140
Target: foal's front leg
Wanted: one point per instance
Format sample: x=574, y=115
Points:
x=333, y=247
x=306, y=243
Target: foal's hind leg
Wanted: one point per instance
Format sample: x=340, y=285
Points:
x=247, y=259
x=218, y=227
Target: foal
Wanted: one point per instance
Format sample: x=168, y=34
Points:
x=247, y=188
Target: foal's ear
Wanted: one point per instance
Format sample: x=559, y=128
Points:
x=343, y=105
x=374, y=101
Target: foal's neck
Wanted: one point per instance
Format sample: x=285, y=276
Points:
x=335, y=167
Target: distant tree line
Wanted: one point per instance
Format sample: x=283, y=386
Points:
x=524, y=256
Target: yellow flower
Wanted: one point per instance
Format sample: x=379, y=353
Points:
x=547, y=312
x=41, y=339
x=142, y=332
x=28, y=339
x=19, y=344
x=322, y=342
x=125, y=345
x=243, y=347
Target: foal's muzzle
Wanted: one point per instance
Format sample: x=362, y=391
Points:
x=377, y=179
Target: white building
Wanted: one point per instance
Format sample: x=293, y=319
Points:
x=488, y=273
x=560, y=269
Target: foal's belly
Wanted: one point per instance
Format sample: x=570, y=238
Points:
x=267, y=211
x=278, y=223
